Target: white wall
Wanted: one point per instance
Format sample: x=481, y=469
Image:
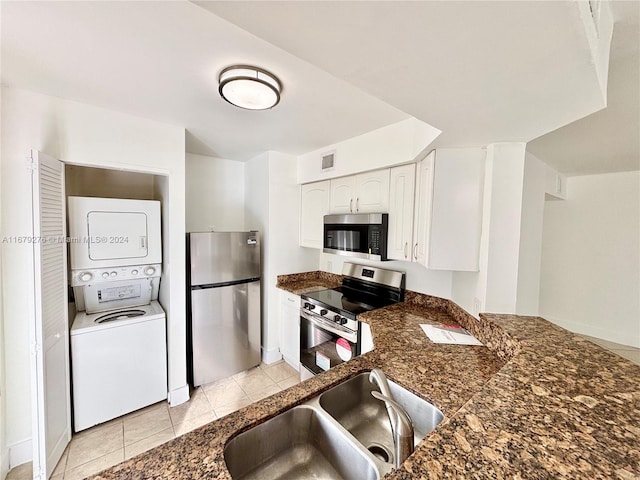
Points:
x=401, y=142
x=257, y=218
x=511, y=233
x=4, y=449
x=83, y=135
x=418, y=277
x=273, y=209
x=530, y=251
x=284, y=253
x=215, y=191
x=590, y=275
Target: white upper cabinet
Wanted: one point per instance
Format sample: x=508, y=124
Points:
x=422, y=209
x=364, y=193
x=343, y=193
x=314, y=205
x=401, y=197
x=448, y=220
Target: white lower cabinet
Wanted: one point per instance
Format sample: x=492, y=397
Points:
x=290, y=328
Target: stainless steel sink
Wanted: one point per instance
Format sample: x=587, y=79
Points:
x=300, y=443
x=352, y=406
x=342, y=434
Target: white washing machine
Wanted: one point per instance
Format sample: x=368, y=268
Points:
x=119, y=362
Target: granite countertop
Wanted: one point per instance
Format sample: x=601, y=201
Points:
x=535, y=402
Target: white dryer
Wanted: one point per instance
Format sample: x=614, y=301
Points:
x=119, y=363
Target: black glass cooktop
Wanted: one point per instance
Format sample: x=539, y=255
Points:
x=348, y=300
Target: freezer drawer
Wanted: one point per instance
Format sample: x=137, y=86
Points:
x=225, y=330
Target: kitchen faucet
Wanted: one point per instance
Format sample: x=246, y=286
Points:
x=401, y=425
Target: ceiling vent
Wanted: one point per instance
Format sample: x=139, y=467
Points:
x=328, y=160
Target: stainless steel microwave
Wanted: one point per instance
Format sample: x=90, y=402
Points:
x=361, y=235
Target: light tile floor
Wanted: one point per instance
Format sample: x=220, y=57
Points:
x=110, y=443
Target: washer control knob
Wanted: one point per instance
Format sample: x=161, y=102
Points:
x=86, y=276
x=150, y=270
x=113, y=274
x=105, y=274
x=134, y=272
x=323, y=311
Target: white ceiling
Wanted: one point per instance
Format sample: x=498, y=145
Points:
x=160, y=60
x=608, y=140
x=480, y=71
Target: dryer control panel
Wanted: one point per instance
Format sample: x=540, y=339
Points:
x=99, y=275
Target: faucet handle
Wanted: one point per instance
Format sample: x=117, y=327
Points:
x=404, y=424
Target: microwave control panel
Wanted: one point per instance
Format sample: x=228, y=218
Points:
x=375, y=240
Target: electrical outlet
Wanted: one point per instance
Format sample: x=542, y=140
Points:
x=477, y=306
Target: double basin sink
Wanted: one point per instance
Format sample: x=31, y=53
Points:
x=344, y=433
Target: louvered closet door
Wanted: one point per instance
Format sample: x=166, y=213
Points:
x=52, y=419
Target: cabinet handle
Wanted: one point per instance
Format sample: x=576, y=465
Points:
x=291, y=300
x=415, y=251
x=357, y=204
x=351, y=205
x=405, y=249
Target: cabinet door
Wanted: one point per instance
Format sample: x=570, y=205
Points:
x=401, y=197
x=343, y=196
x=290, y=328
x=372, y=192
x=314, y=205
x=422, y=219
x=456, y=217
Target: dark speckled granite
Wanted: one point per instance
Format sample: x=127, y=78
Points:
x=537, y=402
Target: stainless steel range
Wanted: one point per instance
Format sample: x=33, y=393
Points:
x=330, y=332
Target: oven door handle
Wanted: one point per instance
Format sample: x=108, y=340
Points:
x=324, y=325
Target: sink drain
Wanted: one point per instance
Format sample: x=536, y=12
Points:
x=380, y=452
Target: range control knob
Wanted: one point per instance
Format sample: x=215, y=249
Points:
x=149, y=270
x=309, y=306
x=134, y=272
x=336, y=318
x=113, y=274
x=343, y=321
x=105, y=274
x=323, y=311
x=86, y=276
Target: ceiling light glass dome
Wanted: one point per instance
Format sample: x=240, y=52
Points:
x=249, y=87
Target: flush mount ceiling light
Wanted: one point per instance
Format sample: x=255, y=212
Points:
x=249, y=87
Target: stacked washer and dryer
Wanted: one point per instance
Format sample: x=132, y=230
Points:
x=118, y=336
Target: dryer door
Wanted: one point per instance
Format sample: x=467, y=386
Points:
x=117, y=235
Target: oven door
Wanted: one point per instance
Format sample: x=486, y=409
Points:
x=324, y=345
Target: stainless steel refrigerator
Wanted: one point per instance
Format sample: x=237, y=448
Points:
x=224, y=331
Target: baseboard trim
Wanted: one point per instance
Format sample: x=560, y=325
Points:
x=4, y=463
x=19, y=453
x=271, y=356
x=179, y=396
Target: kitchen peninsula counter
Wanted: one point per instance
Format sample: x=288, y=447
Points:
x=535, y=402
